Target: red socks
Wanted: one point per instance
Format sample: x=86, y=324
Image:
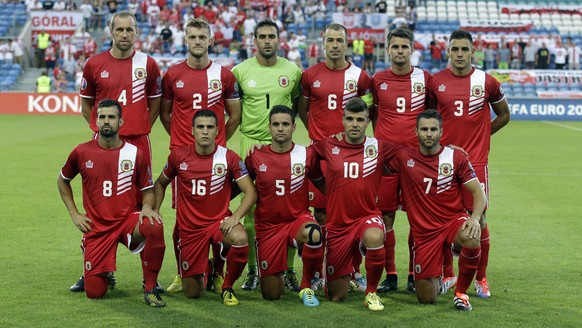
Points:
x=468, y=261
x=153, y=252
x=390, y=245
x=375, y=259
x=312, y=259
x=235, y=264
x=95, y=286
x=485, y=243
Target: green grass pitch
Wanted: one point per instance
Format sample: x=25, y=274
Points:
x=535, y=267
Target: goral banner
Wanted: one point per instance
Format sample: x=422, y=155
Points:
x=363, y=26
x=540, y=9
x=499, y=26
x=40, y=103
x=56, y=23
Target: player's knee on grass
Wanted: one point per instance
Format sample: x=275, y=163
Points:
x=311, y=235
x=427, y=290
x=389, y=217
x=272, y=287
x=320, y=215
x=193, y=286
x=373, y=238
x=96, y=286
x=237, y=236
x=338, y=289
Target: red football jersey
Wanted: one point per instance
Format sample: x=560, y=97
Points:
x=399, y=99
x=130, y=81
x=196, y=89
x=431, y=186
x=464, y=104
x=280, y=179
x=204, y=184
x=328, y=91
x=111, y=180
x=352, y=177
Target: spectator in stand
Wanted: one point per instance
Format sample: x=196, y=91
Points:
x=399, y=21
x=99, y=12
x=70, y=5
x=151, y=42
x=412, y=18
x=6, y=55
x=90, y=47
x=166, y=37
x=60, y=82
x=43, y=40
x=560, y=55
x=529, y=55
x=301, y=38
x=178, y=46
x=543, y=57
x=48, y=4
x=516, y=55
x=436, y=54
x=298, y=14
x=313, y=53
x=294, y=56
x=490, y=57
x=228, y=32
x=133, y=7
x=573, y=55
x=67, y=50
x=87, y=10
x=50, y=57
x=17, y=51
x=369, y=62
x=381, y=6
x=479, y=56
x=503, y=56
x=479, y=41
x=211, y=13
x=239, y=20
x=59, y=5
x=416, y=58
x=70, y=68
x=153, y=12
x=288, y=16
x=249, y=25
x=164, y=15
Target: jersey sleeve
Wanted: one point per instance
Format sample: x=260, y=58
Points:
x=315, y=172
x=465, y=170
x=431, y=100
x=319, y=148
x=154, y=79
x=88, y=81
x=144, y=173
x=495, y=91
x=389, y=150
x=167, y=81
x=71, y=167
x=365, y=88
x=249, y=162
x=393, y=164
x=236, y=166
x=230, y=85
x=169, y=170
x=305, y=85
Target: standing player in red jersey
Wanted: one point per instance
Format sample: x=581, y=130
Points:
x=113, y=172
x=133, y=79
x=465, y=96
x=190, y=86
x=205, y=172
x=399, y=94
x=432, y=180
x=354, y=222
x=282, y=216
x=326, y=88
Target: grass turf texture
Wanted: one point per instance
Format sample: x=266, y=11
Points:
x=535, y=267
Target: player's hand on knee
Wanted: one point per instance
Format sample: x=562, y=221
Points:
x=151, y=215
x=228, y=224
x=472, y=228
x=81, y=221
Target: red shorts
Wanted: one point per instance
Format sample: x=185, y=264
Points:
x=272, y=244
x=193, y=249
x=100, y=249
x=482, y=172
x=343, y=243
x=316, y=198
x=428, y=249
x=389, y=193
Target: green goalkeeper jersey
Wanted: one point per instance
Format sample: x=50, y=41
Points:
x=262, y=88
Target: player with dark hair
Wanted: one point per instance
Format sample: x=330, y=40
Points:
x=130, y=77
x=465, y=95
x=113, y=172
x=432, y=179
x=326, y=87
x=399, y=94
x=188, y=87
x=282, y=216
x=354, y=222
x=205, y=172
x=265, y=81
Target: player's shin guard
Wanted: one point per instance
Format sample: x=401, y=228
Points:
x=389, y=246
x=249, y=224
x=95, y=286
x=375, y=259
x=153, y=252
x=484, y=261
x=235, y=264
x=468, y=261
x=312, y=258
x=448, y=270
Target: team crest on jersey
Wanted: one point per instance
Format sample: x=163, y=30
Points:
x=298, y=169
x=351, y=85
x=214, y=85
x=410, y=163
x=330, y=269
x=126, y=165
x=477, y=91
x=384, y=86
x=445, y=169
x=183, y=166
x=371, y=151
x=219, y=169
x=140, y=73
x=418, y=88
x=417, y=268
x=104, y=74
x=185, y=265
x=83, y=84
x=88, y=266
x=180, y=84
x=316, y=84
x=262, y=168
x=283, y=81
x=264, y=265
x=89, y=164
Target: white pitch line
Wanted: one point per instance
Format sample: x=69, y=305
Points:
x=562, y=126
x=537, y=174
